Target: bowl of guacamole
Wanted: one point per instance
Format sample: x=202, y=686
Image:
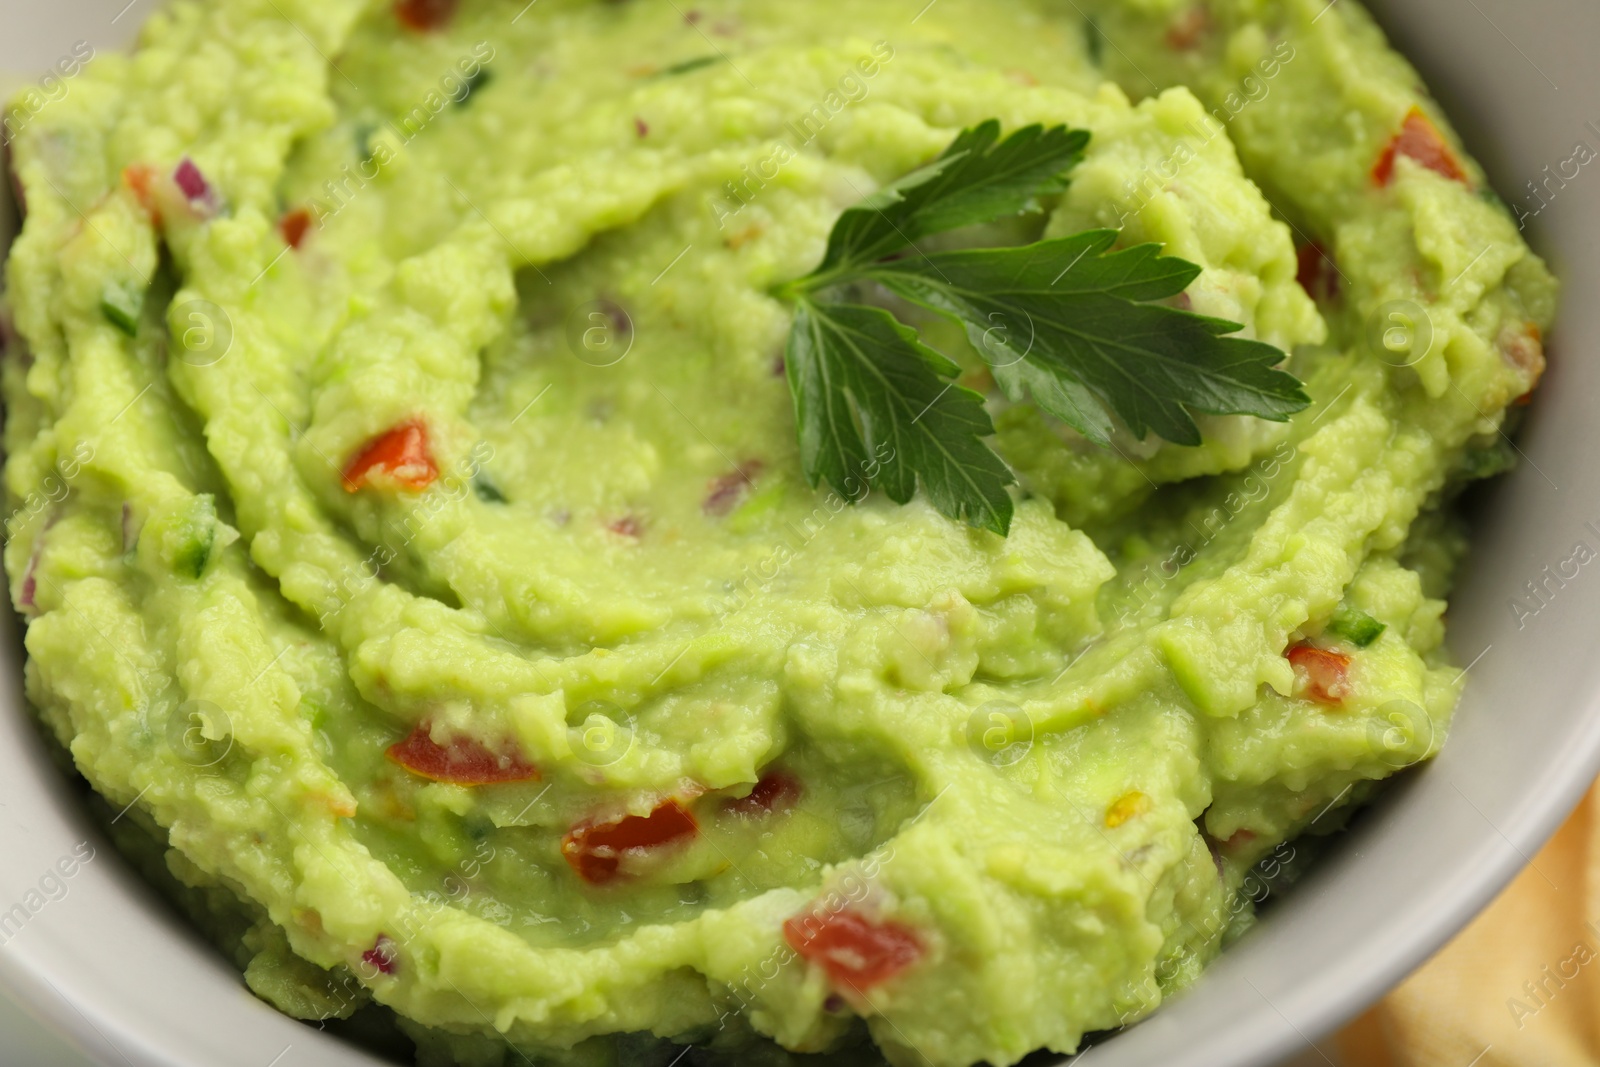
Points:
x=604, y=533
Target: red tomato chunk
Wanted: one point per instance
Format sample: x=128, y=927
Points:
x=425, y=15
x=627, y=526
x=854, y=950
x=596, y=850
x=776, y=791
x=1419, y=140
x=723, y=493
x=1188, y=31
x=400, y=454
x=138, y=178
x=1316, y=272
x=1326, y=673
x=381, y=955
x=464, y=761
x=293, y=226
x=191, y=183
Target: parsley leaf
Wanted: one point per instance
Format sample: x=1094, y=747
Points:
x=1070, y=309
x=979, y=178
x=847, y=361
x=1067, y=321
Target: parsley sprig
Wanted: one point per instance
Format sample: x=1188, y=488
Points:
x=1066, y=321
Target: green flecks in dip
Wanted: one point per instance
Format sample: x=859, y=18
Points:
x=408, y=514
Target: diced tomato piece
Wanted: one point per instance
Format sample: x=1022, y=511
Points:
x=1188, y=30
x=190, y=182
x=400, y=454
x=464, y=761
x=425, y=15
x=138, y=178
x=776, y=791
x=855, y=951
x=596, y=850
x=1316, y=272
x=724, y=492
x=30, y=582
x=1522, y=346
x=1419, y=140
x=627, y=526
x=1524, y=349
x=381, y=955
x=294, y=225
x=1326, y=673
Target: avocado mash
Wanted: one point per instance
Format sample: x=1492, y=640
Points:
x=409, y=521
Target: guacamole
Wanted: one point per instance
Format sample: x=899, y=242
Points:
x=408, y=520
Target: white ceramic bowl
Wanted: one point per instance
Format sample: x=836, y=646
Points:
x=109, y=968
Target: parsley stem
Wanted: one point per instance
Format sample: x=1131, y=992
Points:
x=815, y=282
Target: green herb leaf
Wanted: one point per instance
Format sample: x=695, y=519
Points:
x=362, y=134
x=979, y=178
x=847, y=363
x=689, y=65
x=487, y=491
x=1071, y=310
x=122, y=303
x=196, y=536
x=1068, y=322
x=1094, y=41
x=1356, y=626
x=472, y=84
x=1056, y=394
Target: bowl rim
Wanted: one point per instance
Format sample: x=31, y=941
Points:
x=1317, y=1001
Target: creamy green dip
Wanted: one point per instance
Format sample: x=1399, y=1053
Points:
x=409, y=524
